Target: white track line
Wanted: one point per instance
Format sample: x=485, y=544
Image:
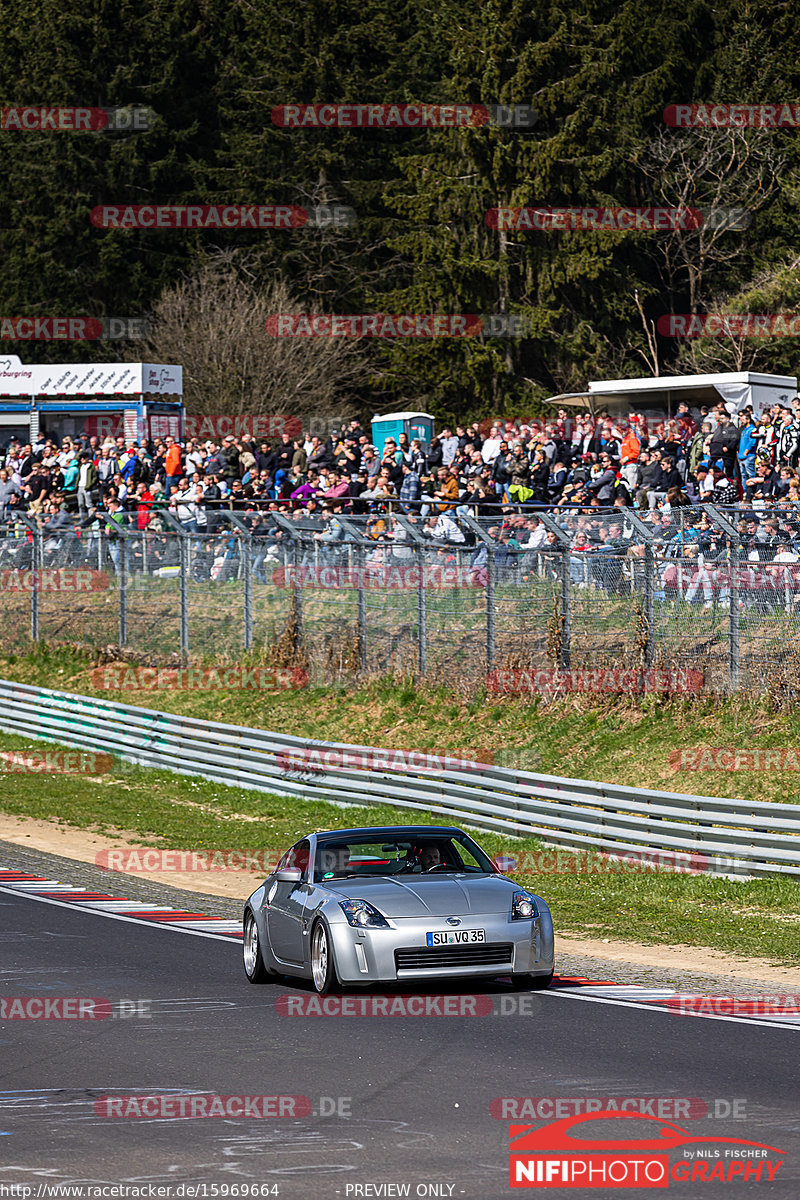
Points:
x=114, y=916
x=656, y=1008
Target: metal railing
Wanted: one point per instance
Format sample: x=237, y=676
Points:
x=726, y=836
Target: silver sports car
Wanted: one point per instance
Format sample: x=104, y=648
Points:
x=394, y=904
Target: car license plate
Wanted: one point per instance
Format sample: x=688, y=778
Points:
x=456, y=937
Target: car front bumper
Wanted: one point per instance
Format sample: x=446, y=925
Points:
x=369, y=955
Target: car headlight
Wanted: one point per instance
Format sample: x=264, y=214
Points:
x=523, y=907
x=359, y=913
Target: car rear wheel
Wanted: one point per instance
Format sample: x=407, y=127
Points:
x=254, y=967
x=531, y=983
x=323, y=968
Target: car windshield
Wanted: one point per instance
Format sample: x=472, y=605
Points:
x=417, y=854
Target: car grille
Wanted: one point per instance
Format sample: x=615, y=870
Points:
x=421, y=958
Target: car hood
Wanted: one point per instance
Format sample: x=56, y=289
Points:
x=438, y=896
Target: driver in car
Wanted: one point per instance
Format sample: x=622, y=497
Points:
x=430, y=857
x=335, y=860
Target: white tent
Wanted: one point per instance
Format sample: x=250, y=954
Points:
x=661, y=395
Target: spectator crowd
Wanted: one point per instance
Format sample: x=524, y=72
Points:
x=501, y=476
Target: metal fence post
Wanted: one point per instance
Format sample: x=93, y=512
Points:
x=733, y=620
x=37, y=550
x=123, y=593
x=247, y=553
x=362, y=608
x=297, y=555
x=490, y=582
x=184, y=613
x=566, y=615
x=422, y=615
x=649, y=589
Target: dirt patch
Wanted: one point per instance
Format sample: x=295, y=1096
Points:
x=674, y=958
x=83, y=845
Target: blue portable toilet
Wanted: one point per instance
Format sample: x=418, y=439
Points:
x=391, y=425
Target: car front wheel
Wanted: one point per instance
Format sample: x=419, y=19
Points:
x=323, y=968
x=254, y=967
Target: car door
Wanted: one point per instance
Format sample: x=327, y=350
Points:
x=285, y=907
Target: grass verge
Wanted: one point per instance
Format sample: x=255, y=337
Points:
x=631, y=740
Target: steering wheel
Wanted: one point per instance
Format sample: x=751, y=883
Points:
x=438, y=867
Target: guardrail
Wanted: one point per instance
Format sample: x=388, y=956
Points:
x=730, y=836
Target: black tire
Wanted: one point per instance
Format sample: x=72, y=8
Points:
x=253, y=963
x=323, y=967
x=531, y=983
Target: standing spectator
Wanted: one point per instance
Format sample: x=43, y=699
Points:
x=748, y=444
x=519, y=487
x=789, y=439
x=449, y=446
x=410, y=489
x=230, y=453
x=491, y=447
x=172, y=465
x=107, y=467
x=299, y=458
x=266, y=460
x=88, y=484
x=630, y=448
x=284, y=453
x=725, y=442
x=501, y=471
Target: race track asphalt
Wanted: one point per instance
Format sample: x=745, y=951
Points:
x=418, y=1089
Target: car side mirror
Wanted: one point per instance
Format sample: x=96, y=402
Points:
x=289, y=875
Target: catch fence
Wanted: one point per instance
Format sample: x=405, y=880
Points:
x=447, y=596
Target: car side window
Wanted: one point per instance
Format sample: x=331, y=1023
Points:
x=297, y=857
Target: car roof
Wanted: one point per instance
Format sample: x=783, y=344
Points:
x=384, y=831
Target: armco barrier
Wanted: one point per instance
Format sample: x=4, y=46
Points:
x=743, y=837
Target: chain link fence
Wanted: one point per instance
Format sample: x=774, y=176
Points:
x=447, y=596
